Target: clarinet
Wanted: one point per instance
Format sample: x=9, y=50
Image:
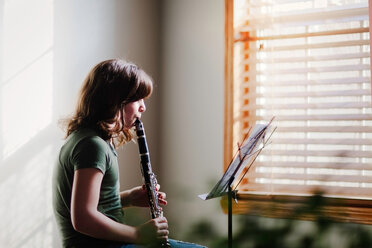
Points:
x=148, y=176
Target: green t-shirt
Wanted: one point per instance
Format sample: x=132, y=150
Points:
x=85, y=149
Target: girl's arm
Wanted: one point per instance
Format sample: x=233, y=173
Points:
x=88, y=220
x=137, y=197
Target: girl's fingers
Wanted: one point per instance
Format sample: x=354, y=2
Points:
x=161, y=223
x=163, y=202
x=161, y=198
x=162, y=195
x=163, y=233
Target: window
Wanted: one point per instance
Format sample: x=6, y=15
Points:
x=307, y=63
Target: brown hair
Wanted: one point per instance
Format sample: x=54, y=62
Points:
x=108, y=86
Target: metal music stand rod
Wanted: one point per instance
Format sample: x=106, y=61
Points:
x=230, y=195
x=229, y=206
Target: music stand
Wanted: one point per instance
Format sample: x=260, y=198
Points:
x=247, y=152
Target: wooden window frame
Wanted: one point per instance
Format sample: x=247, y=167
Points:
x=278, y=206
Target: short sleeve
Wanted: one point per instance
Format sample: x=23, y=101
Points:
x=90, y=152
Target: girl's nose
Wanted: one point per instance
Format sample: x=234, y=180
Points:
x=142, y=107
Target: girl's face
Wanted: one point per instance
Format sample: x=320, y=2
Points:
x=132, y=111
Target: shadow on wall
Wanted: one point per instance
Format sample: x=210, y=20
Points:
x=25, y=188
x=260, y=232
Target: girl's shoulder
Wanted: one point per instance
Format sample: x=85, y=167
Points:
x=85, y=138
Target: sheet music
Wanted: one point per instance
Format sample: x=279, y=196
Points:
x=249, y=147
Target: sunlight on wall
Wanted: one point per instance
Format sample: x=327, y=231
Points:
x=26, y=94
x=27, y=143
x=26, y=104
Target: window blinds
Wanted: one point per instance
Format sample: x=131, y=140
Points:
x=308, y=64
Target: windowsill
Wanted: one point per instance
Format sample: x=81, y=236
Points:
x=302, y=207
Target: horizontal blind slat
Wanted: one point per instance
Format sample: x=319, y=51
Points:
x=330, y=81
x=276, y=60
x=361, y=92
x=310, y=177
x=304, y=35
x=330, y=129
x=318, y=153
x=321, y=45
x=317, y=128
x=328, y=105
x=356, y=141
x=343, y=68
x=333, y=13
x=330, y=117
x=302, y=189
x=328, y=165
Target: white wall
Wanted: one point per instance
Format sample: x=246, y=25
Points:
x=48, y=47
x=192, y=108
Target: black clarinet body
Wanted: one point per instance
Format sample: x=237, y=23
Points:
x=148, y=176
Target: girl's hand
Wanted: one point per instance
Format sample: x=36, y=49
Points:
x=153, y=231
x=161, y=196
x=138, y=196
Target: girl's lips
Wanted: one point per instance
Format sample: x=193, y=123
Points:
x=134, y=121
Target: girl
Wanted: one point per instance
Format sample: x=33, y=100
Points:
x=87, y=203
